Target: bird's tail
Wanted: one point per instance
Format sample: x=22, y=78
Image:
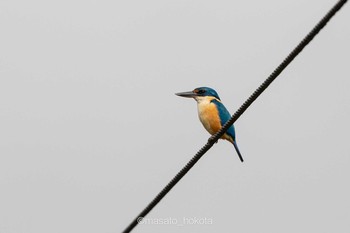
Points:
x=238, y=152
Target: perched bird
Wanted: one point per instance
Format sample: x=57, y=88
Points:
x=212, y=113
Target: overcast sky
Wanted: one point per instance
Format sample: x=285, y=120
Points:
x=91, y=131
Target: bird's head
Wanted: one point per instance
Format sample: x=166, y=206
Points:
x=199, y=93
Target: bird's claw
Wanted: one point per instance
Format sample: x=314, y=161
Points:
x=211, y=140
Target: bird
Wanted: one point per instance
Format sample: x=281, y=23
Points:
x=212, y=113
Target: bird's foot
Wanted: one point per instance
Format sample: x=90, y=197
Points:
x=211, y=140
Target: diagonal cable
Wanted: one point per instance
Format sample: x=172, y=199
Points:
x=238, y=113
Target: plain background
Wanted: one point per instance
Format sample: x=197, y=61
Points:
x=91, y=131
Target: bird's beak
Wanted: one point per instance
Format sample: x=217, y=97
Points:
x=187, y=94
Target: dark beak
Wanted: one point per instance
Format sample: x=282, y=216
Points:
x=187, y=94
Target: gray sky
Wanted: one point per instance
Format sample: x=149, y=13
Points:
x=91, y=129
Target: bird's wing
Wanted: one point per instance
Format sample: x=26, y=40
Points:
x=224, y=117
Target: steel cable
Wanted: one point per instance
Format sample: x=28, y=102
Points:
x=238, y=113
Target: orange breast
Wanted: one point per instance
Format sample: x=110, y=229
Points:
x=209, y=116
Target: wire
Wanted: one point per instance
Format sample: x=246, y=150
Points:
x=238, y=113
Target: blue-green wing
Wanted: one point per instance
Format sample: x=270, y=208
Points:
x=224, y=117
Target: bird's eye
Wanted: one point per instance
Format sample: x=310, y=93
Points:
x=201, y=91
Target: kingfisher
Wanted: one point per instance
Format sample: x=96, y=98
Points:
x=212, y=113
